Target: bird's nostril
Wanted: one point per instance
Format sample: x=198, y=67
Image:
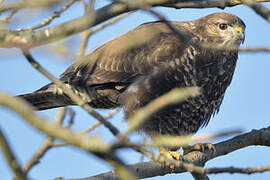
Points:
x=239, y=30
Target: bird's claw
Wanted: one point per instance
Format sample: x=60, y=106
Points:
x=200, y=147
x=173, y=155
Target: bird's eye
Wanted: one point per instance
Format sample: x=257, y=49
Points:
x=223, y=26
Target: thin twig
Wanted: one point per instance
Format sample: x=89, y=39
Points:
x=232, y=170
x=35, y=159
x=6, y=19
x=92, y=127
x=47, y=144
x=254, y=49
x=28, y=4
x=258, y=8
x=108, y=116
x=91, y=5
x=71, y=118
x=86, y=34
x=222, y=4
x=48, y=20
x=10, y=158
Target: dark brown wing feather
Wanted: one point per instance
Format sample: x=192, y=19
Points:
x=111, y=63
x=109, y=70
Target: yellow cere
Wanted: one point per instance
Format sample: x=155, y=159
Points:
x=239, y=29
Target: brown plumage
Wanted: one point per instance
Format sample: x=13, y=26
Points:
x=149, y=61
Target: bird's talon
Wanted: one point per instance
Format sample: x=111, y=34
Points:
x=173, y=155
x=211, y=148
x=200, y=147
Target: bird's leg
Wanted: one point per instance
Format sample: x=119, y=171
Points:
x=170, y=155
x=200, y=147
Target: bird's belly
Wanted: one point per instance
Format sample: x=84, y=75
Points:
x=182, y=119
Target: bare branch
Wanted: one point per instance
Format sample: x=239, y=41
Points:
x=47, y=144
x=108, y=116
x=92, y=127
x=6, y=19
x=10, y=158
x=258, y=8
x=237, y=170
x=222, y=4
x=71, y=118
x=254, y=49
x=90, y=144
x=151, y=169
x=35, y=159
x=27, y=39
x=86, y=34
x=48, y=20
x=28, y=4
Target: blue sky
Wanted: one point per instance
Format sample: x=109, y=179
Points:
x=246, y=104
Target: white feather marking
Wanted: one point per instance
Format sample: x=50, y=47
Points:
x=224, y=60
x=155, y=70
x=147, y=84
x=221, y=72
x=133, y=88
x=177, y=61
x=172, y=64
x=47, y=33
x=176, y=78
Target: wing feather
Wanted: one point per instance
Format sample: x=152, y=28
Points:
x=119, y=63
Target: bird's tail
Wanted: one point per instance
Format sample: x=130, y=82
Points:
x=45, y=98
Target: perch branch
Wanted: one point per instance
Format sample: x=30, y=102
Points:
x=151, y=169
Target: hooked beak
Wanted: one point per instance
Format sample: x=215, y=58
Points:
x=239, y=34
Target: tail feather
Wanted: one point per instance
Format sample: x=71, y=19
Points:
x=50, y=96
x=46, y=99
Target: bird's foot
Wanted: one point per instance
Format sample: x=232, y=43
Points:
x=200, y=147
x=173, y=155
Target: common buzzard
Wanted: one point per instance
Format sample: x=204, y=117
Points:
x=149, y=61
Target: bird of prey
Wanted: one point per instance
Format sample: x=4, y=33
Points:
x=150, y=60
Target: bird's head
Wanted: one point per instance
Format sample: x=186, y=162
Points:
x=222, y=28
